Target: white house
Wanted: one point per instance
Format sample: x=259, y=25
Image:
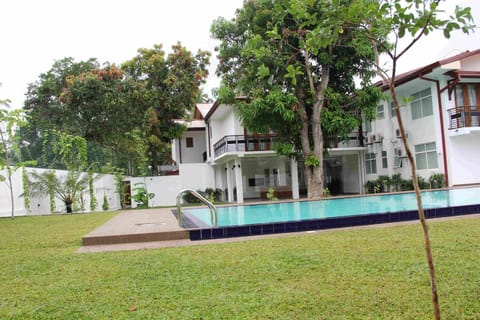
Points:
x=442, y=120
x=245, y=165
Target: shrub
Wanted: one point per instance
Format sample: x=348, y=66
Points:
x=271, y=194
x=395, y=182
x=406, y=185
x=105, y=203
x=437, y=180
x=141, y=195
x=422, y=183
x=212, y=195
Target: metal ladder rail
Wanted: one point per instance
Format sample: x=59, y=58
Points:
x=213, y=209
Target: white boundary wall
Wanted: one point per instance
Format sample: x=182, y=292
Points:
x=103, y=185
x=191, y=175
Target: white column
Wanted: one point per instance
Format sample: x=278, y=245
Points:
x=238, y=179
x=229, y=182
x=361, y=171
x=294, y=173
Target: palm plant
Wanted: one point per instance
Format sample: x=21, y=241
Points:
x=67, y=189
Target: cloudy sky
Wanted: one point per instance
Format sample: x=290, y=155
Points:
x=36, y=33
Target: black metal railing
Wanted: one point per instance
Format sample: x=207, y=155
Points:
x=238, y=143
x=464, y=117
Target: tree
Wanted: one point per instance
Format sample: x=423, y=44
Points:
x=171, y=88
x=71, y=152
x=404, y=23
x=68, y=189
x=296, y=64
x=43, y=100
x=83, y=99
x=10, y=155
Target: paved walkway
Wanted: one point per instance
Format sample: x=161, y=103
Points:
x=158, y=228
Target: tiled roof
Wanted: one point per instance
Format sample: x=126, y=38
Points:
x=413, y=74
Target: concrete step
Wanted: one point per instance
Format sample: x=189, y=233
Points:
x=94, y=240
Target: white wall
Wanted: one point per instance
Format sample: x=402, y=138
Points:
x=195, y=154
x=419, y=131
x=226, y=123
x=350, y=182
x=165, y=189
x=103, y=185
x=464, y=156
x=196, y=176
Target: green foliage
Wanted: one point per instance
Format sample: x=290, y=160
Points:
x=437, y=180
x=395, y=183
x=118, y=178
x=296, y=63
x=10, y=145
x=91, y=191
x=422, y=183
x=69, y=189
x=160, y=75
x=71, y=149
x=26, y=189
x=141, y=195
x=212, y=195
x=312, y=161
x=271, y=194
x=326, y=192
x=105, y=203
x=126, y=116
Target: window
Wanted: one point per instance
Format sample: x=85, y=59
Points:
x=371, y=163
x=368, y=126
x=380, y=112
x=467, y=98
x=422, y=104
x=392, y=110
x=397, y=161
x=384, y=160
x=426, y=156
x=189, y=142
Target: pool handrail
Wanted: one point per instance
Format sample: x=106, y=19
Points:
x=211, y=206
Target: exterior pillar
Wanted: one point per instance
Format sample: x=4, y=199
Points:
x=361, y=172
x=237, y=168
x=294, y=173
x=229, y=182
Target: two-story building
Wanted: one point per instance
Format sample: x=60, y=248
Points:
x=245, y=165
x=441, y=115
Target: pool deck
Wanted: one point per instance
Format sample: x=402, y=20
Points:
x=158, y=228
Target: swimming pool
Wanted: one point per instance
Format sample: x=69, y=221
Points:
x=330, y=213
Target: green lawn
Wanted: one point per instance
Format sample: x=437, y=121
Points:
x=378, y=273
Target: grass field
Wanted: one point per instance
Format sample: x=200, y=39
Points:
x=377, y=273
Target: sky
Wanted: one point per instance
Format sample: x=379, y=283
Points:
x=36, y=33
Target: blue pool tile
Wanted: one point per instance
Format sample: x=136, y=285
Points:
x=267, y=229
x=279, y=228
x=195, y=235
x=291, y=226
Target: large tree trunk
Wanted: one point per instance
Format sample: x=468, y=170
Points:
x=315, y=182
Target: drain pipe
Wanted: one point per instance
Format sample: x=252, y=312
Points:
x=442, y=127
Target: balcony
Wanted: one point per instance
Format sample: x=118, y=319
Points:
x=464, y=117
x=240, y=143
x=353, y=140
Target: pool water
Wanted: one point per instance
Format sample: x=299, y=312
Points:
x=329, y=208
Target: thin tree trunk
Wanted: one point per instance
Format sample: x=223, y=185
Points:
x=10, y=186
x=421, y=213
